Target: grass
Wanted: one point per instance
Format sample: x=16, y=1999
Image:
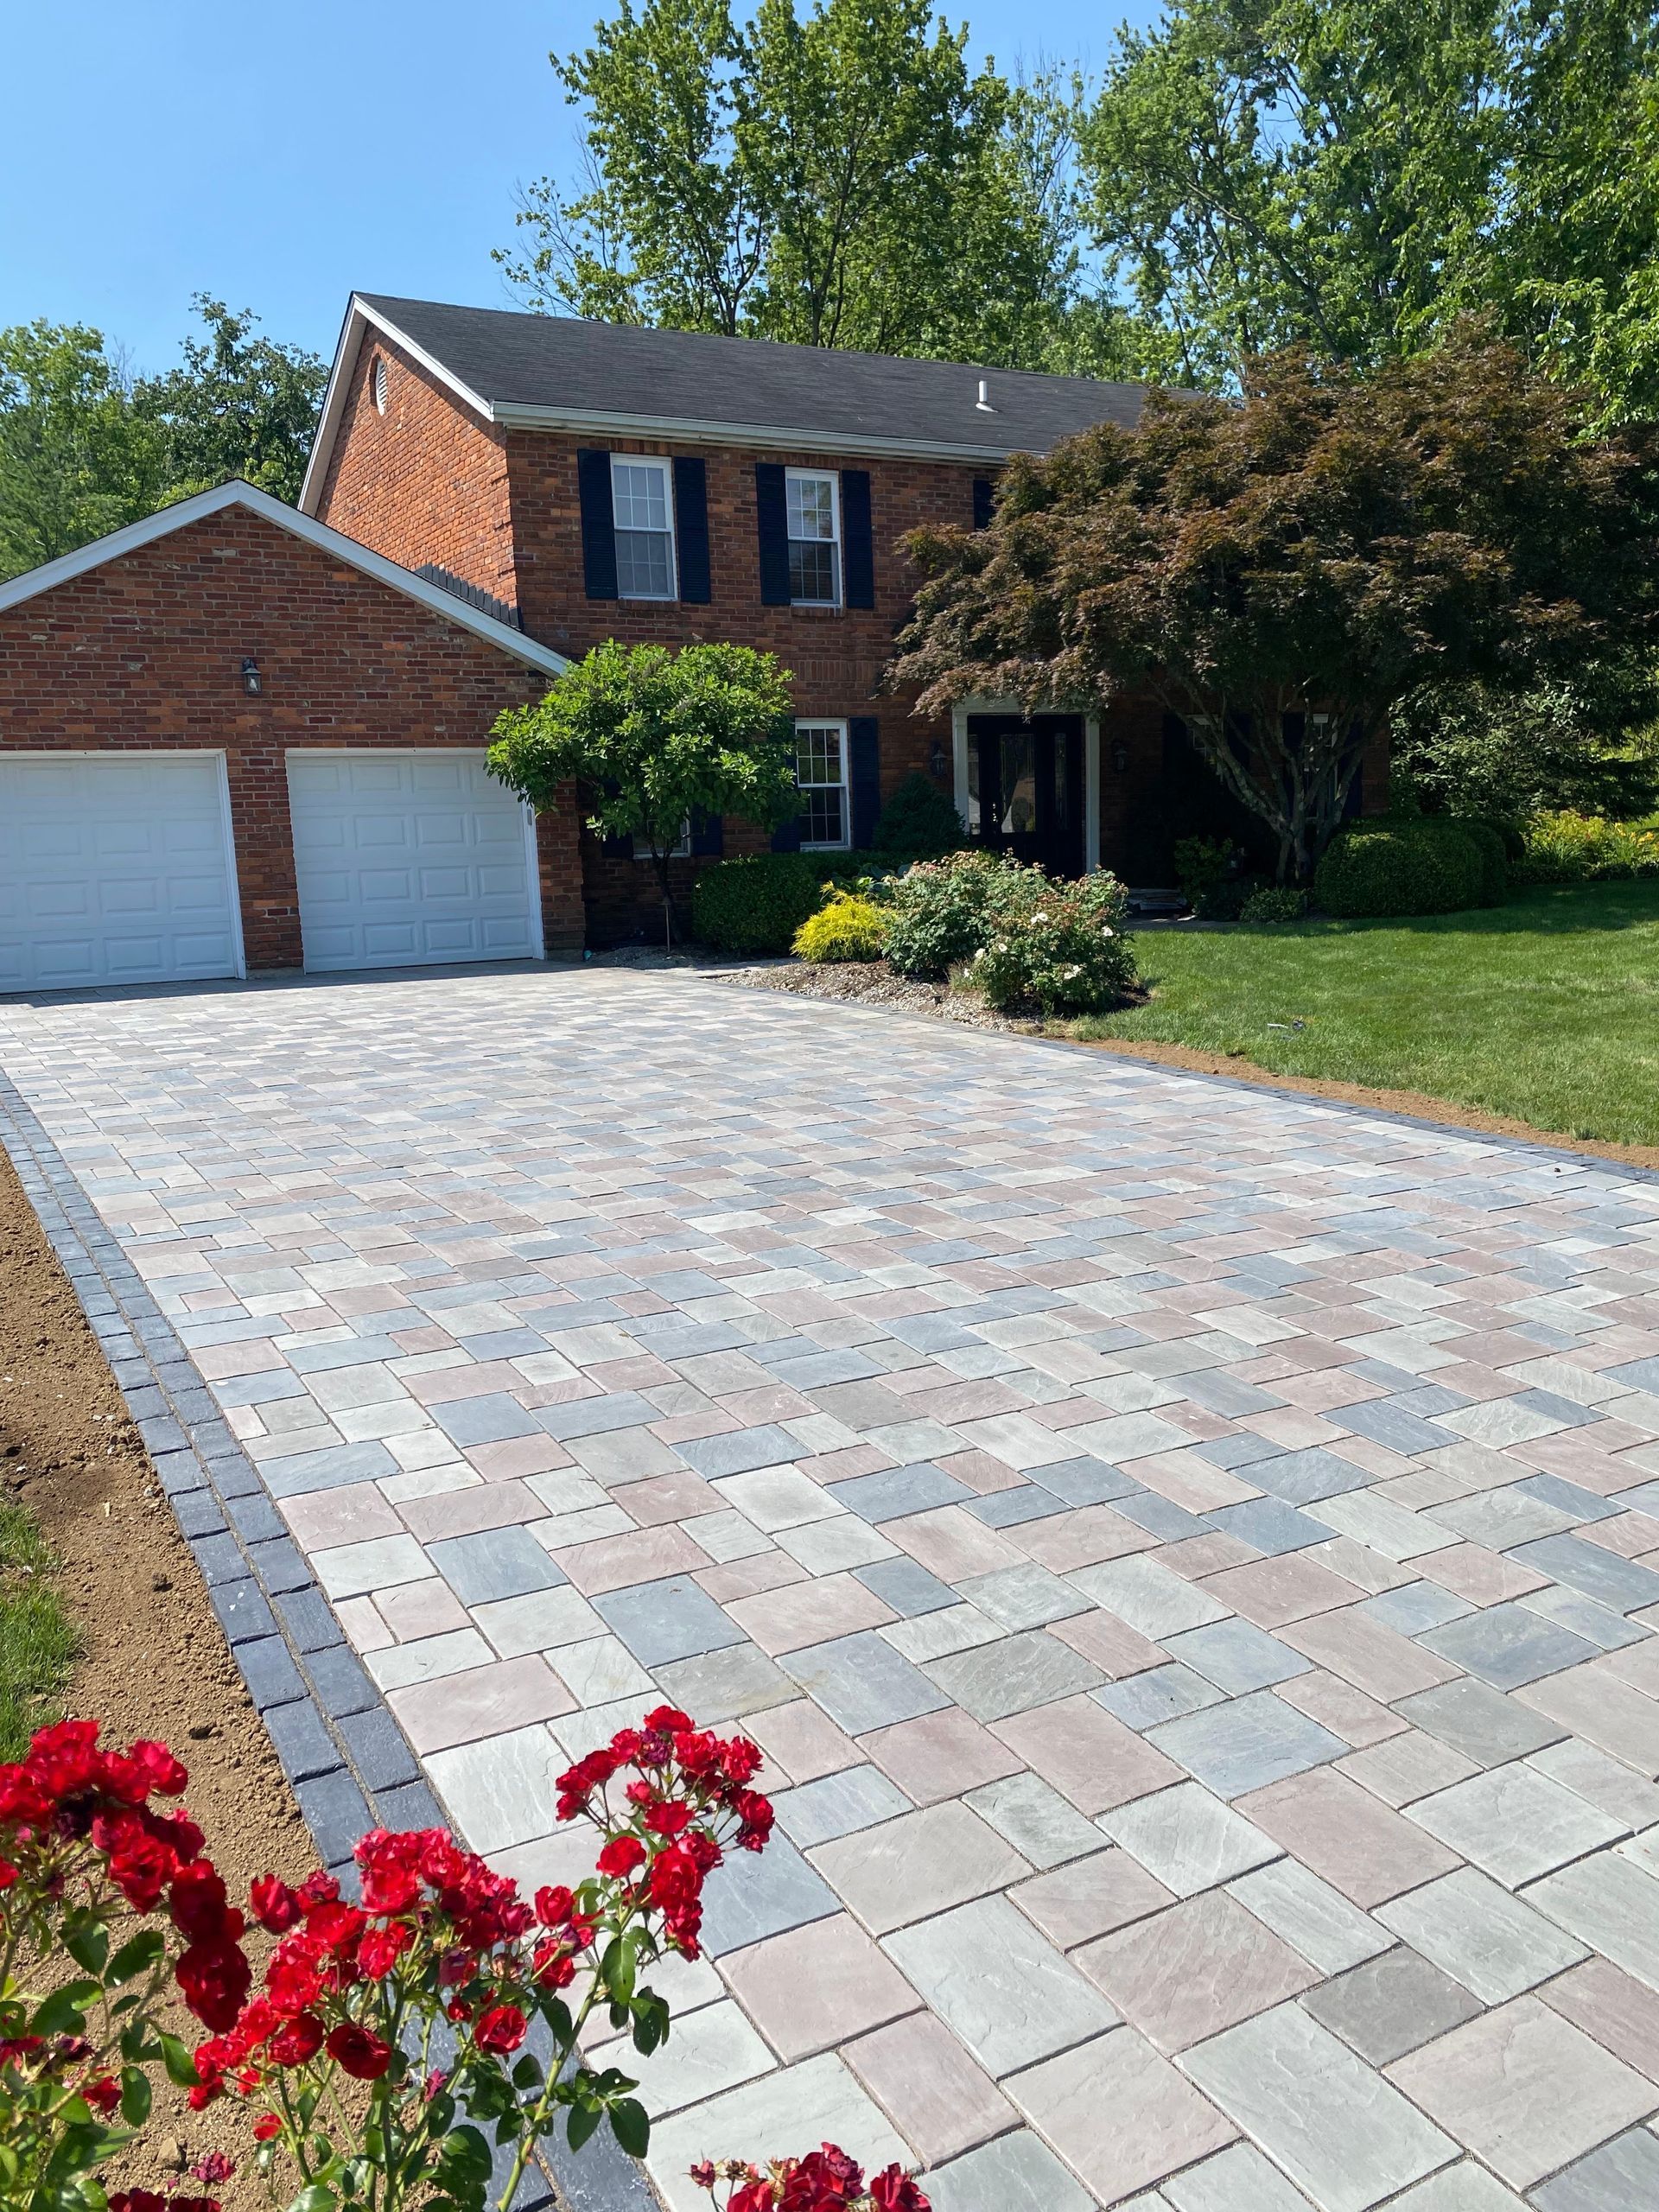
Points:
x=36, y=1640
x=1546, y=1009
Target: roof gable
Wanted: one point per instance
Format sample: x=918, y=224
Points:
x=554, y=373
x=432, y=596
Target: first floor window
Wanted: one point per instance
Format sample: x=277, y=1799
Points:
x=821, y=772
x=814, y=539
x=642, y=508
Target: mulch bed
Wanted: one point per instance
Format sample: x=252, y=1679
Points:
x=872, y=982
x=153, y=1660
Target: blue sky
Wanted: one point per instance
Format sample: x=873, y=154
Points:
x=279, y=155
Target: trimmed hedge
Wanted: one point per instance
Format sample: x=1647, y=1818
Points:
x=1423, y=864
x=1488, y=841
x=755, y=905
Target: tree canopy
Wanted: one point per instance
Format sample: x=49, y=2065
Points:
x=842, y=178
x=85, y=446
x=1279, y=573
x=647, y=740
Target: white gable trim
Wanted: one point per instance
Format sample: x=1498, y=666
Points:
x=361, y=317
x=334, y=542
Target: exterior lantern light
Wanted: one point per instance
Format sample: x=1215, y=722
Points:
x=250, y=681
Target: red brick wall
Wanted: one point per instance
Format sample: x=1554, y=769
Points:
x=425, y=481
x=145, y=652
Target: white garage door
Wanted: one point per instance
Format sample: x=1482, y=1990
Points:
x=408, y=858
x=115, y=868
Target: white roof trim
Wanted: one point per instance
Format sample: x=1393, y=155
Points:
x=359, y=317
x=236, y=493
x=762, y=437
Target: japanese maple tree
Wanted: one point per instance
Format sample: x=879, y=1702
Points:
x=1280, y=572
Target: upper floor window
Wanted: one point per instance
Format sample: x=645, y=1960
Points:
x=642, y=508
x=821, y=772
x=813, y=509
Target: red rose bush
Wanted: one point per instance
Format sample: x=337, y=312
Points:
x=826, y=2180
x=105, y=1899
x=448, y=2009
x=402, y=2039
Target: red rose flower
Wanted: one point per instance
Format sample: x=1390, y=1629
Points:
x=501, y=2029
x=274, y=1905
x=380, y=1949
x=267, y=2127
x=621, y=1855
x=894, y=2191
x=359, y=2052
x=166, y=1778
x=213, y=1978
x=200, y=1907
x=104, y=2096
x=295, y=2040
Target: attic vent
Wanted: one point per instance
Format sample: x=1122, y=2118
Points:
x=378, y=383
x=474, y=594
x=983, y=403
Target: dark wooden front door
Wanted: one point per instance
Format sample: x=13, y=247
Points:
x=1025, y=788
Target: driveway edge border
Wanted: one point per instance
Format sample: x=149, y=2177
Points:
x=344, y=1755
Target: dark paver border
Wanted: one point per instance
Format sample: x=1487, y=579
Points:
x=342, y=1750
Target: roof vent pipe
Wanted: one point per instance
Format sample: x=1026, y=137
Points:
x=983, y=403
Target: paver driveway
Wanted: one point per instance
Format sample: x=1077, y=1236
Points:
x=1191, y=1554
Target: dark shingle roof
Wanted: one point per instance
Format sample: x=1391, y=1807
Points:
x=513, y=361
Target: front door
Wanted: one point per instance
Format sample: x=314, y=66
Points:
x=1025, y=788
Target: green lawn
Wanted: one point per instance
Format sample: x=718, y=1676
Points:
x=36, y=1641
x=1546, y=1009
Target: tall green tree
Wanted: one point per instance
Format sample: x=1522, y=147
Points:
x=842, y=178
x=75, y=459
x=237, y=405
x=1352, y=175
x=85, y=448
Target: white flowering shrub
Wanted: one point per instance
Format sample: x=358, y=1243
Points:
x=1056, y=948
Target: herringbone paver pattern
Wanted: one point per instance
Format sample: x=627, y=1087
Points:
x=1191, y=1554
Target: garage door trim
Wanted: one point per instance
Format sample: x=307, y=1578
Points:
x=218, y=755
x=532, y=854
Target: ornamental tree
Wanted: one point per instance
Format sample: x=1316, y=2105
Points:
x=652, y=738
x=1279, y=573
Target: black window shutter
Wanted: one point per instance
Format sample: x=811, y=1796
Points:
x=598, y=524
x=864, y=776
x=617, y=848
x=858, y=550
x=772, y=519
x=984, y=498
x=708, y=831
x=691, y=528
x=787, y=837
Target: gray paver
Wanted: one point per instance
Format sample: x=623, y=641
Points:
x=1016, y=2173
x=862, y=1682
x=1340, y=2131
x=1247, y=1742
x=1000, y=1985
x=672, y=1619
x=1616, y=2177
x=1493, y=1943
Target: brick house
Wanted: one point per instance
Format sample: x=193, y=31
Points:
x=239, y=734
x=609, y=481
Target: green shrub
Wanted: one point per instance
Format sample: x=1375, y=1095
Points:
x=938, y=911
x=918, y=823
x=1586, y=847
x=851, y=926
x=1056, y=948
x=1488, y=841
x=1274, y=902
x=1207, y=870
x=755, y=905
x=1422, y=865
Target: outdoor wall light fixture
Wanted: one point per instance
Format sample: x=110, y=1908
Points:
x=1121, y=757
x=250, y=681
x=937, y=763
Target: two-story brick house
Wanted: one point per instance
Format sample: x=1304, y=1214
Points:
x=237, y=735
x=608, y=481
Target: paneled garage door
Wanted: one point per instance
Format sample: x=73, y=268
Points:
x=115, y=867
x=410, y=858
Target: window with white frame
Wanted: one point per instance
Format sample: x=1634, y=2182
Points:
x=642, y=510
x=813, y=506
x=821, y=772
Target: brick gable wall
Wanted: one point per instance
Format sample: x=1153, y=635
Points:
x=425, y=481
x=145, y=653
